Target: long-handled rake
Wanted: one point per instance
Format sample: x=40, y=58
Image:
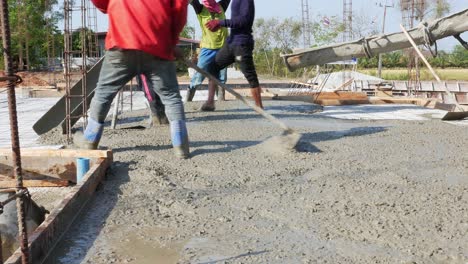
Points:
x=288, y=140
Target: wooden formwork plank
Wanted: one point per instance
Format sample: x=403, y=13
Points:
x=59, y=153
x=43, y=240
x=333, y=102
x=266, y=94
x=33, y=183
x=56, y=166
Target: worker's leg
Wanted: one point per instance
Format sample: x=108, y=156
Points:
x=158, y=113
x=117, y=69
x=243, y=55
x=224, y=57
x=195, y=83
x=205, y=61
x=162, y=76
x=222, y=76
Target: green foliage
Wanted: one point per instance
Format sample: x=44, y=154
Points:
x=274, y=37
x=324, y=35
x=188, y=32
x=33, y=23
x=442, y=7
x=459, y=57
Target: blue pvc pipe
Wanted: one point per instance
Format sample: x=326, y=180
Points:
x=82, y=167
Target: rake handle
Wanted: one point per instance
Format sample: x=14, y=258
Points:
x=240, y=97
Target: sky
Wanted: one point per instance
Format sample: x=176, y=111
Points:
x=292, y=8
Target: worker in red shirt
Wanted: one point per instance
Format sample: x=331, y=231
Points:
x=141, y=39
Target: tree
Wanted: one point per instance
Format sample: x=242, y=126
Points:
x=273, y=37
x=31, y=22
x=442, y=7
x=364, y=26
x=459, y=57
x=188, y=32
x=324, y=33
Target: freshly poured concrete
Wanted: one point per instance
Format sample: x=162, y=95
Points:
x=357, y=191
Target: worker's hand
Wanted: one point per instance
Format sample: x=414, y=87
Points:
x=213, y=25
x=178, y=53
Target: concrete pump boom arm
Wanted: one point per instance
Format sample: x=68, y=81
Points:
x=424, y=33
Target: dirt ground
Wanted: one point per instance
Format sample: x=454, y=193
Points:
x=356, y=191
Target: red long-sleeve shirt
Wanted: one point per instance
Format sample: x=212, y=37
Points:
x=152, y=26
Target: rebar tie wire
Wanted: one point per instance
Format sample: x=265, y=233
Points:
x=24, y=192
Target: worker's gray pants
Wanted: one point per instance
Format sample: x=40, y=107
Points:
x=120, y=66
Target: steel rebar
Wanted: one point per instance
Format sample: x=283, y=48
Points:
x=15, y=144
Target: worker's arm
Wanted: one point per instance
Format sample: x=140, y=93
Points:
x=179, y=18
x=224, y=4
x=101, y=5
x=244, y=19
x=196, y=6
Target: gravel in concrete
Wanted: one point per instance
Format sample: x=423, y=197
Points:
x=356, y=191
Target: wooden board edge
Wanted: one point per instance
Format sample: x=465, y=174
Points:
x=333, y=102
x=44, y=239
x=66, y=153
x=35, y=183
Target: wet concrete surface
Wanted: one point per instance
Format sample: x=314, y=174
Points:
x=356, y=191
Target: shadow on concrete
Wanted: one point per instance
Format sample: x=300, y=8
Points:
x=144, y=148
x=305, y=144
x=235, y=257
x=220, y=146
x=81, y=236
x=334, y=135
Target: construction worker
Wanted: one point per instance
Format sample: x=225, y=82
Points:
x=157, y=109
x=141, y=39
x=210, y=44
x=239, y=47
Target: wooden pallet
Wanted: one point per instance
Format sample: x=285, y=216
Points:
x=43, y=240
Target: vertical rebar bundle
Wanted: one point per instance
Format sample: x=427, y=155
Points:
x=51, y=52
x=93, y=45
x=15, y=144
x=306, y=23
x=412, y=12
x=347, y=20
x=85, y=34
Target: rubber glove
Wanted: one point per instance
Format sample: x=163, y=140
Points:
x=213, y=25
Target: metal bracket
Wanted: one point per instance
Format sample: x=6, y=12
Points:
x=463, y=42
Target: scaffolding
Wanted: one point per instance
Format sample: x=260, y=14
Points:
x=347, y=20
x=347, y=36
x=93, y=45
x=306, y=23
x=76, y=57
x=53, y=64
x=412, y=12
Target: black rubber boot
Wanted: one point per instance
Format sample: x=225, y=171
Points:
x=190, y=94
x=159, y=119
x=221, y=93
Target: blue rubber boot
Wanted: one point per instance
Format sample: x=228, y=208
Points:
x=91, y=137
x=179, y=136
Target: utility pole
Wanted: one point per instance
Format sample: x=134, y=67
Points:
x=385, y=5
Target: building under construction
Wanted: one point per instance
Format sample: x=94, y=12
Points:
x=374, y=170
